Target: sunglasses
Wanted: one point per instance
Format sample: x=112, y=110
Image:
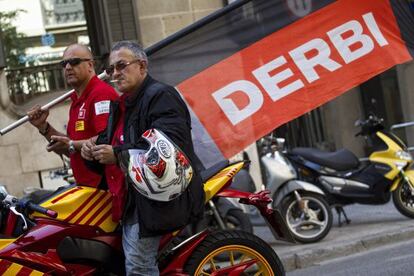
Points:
x=73, y=61
x=119, y=66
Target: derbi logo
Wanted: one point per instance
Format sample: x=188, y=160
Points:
x=294, y=70
x=348, y=39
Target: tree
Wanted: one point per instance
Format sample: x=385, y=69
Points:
x=11, y=38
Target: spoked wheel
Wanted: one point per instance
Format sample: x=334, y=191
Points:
x=245, y=254
x=404, y=199
x=310, y=224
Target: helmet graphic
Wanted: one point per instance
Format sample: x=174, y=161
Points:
x=162, y=172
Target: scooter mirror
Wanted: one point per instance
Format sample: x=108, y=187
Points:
x=3, y=190
x=280, y=142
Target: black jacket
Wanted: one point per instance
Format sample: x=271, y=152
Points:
x=157, y=105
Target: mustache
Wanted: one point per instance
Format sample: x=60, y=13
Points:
x=116, y=80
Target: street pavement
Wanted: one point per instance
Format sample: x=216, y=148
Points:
x=371, y=226
x=394, y=259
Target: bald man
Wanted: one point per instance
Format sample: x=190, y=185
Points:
x=88, y=112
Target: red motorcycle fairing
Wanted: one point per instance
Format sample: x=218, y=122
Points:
x=38, y=247
x=175, y=265
x=261, y=200
x=10, y=268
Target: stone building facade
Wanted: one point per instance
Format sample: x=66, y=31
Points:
x=24, y=160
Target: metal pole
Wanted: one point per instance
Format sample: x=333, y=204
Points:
x=47, y=106
x=407, y=124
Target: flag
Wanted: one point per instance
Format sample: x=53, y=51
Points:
x=258, y=64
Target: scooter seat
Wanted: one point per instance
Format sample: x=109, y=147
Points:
x=341, y=160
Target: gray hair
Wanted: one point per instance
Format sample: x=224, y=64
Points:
x=134, y=47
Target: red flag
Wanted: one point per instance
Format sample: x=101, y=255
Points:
x=294, y=70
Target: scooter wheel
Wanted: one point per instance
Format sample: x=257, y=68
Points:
x=403, y=200
x=257, y=256
x=310, y=225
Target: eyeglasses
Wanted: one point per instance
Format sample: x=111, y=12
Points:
x=120, y=65
x=73, y=61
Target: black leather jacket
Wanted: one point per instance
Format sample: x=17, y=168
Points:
x=157, y=105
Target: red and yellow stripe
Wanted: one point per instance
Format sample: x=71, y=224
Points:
x=84, y=206
x=8, y=268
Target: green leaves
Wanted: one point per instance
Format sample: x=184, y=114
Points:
x=13, y=46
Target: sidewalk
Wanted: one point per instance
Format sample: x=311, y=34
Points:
x=341, y=241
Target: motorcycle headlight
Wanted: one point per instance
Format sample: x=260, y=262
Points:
x=404, y=155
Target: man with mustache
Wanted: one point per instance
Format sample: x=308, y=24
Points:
x=88, y=112
x=147, y=107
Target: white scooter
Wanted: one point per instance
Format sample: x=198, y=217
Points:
x=302, y=204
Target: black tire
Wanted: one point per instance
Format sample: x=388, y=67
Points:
x=235, y=219
x=223, y=240
x=288, y=205
x=238, y=220
x=401, y=197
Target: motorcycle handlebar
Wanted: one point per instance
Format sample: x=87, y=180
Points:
x=42, y=210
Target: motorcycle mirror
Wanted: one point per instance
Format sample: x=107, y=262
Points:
x=280, y=142
x=357, y=123
x=3, y=190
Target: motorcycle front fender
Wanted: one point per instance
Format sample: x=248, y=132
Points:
x=295, y=185
x=409, y=174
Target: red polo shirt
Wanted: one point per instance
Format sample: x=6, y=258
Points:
x=88, y=116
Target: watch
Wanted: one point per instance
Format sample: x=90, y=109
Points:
x=71, y=148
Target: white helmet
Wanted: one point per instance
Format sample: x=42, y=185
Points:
x=162, y=172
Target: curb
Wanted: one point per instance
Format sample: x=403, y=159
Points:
x=310, y=257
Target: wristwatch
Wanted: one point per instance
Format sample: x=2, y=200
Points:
x=71, y=148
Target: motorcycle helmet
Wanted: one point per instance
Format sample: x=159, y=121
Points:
x=163, y=171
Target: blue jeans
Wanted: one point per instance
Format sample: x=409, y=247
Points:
x=140, y=253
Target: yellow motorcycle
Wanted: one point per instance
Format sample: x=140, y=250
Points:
x=346, y=180
x=71, y=232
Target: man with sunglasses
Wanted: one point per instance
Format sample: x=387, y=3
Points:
x=145, y=104
x=88, y=113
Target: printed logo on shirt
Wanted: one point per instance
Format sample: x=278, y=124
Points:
x=102, y=107
x=79, y=125
x=82, y=112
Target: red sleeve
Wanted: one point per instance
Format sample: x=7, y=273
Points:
x=100, y=106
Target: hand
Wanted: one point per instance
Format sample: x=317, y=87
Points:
x=86, y=150
x=104, y=154
x=37, y=117
x=61, y=143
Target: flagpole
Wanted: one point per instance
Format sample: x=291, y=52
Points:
x=47, y=106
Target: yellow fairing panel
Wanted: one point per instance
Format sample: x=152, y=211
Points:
x=214, y=184
x=8, y=268
x=387, y=156
x=84, y=206
x=5, y=242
